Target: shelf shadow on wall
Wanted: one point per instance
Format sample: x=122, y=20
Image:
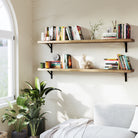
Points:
x=70, y=107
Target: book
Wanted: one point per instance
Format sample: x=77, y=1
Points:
x=80, y=32
x=51, y=30
x=119, y=61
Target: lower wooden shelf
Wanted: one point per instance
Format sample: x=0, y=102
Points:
x=51, y=70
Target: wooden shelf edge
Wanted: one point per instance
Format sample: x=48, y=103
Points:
x=86, y=70
x=87, y=41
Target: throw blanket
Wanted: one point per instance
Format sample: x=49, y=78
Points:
x=73, y=128
x=84, y=128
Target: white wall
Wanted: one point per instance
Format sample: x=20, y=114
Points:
x=82, y=90
x=23, y=11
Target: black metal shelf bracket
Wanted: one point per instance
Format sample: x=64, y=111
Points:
x=126, y=49
x=125, y=74
x=51, y=74
x=51, y=47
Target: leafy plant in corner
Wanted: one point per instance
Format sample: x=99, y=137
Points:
x=36, y=96
x=16, y=118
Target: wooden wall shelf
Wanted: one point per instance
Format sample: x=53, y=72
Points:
x=50, y=43
x=51, y=70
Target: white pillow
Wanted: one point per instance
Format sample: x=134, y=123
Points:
x=134, y=124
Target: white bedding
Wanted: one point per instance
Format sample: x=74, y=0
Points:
x=84, y=128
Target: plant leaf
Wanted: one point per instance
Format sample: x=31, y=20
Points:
x=11, y=106
x=19, y=116
x=12, y=122
x=29, y=85
x=37, y=83
x=12, y=111
x=42, y=85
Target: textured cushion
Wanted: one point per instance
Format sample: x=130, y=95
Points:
x=134, y=124
x=108, y=132
x=117, y=115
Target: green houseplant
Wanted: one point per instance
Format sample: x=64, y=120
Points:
x=16, y=118
x=36, y=96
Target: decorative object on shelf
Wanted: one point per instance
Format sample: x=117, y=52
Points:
x=15, y=117
x=88, y=65
x=56, y=57
x=84, y=64
x=94, y=28
x=42, y=36
x=32, y=100
x=3, y=134
x=114, y=23
x=42, y=65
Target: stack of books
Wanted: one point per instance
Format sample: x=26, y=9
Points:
x=124, y=62
x=61, y=33
x=109, y=36
x=123, y=31
x=66, y=61
x=53, y=64
x=111, y=64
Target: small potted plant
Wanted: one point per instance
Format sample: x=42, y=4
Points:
x=16, y=118
x=36, y=96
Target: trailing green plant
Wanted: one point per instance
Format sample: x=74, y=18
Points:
x=15, y=117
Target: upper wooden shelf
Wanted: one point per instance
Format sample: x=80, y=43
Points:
x=88, y=41
x=50, y=43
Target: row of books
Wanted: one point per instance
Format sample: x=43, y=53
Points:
x=61, y=33
x=65, y=62
x=122, y=62
x=123, y=31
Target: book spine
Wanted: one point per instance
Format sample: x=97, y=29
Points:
x=68, y=33
x=57, y=33
x=127, y=63
x=54, y=32
x=76, y=33
x=124, y=31
x=80, y=32
x=119, y=61
x=51, y=32
x=126, y=67
x=71, y=33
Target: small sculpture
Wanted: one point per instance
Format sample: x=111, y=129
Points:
x=84, y=64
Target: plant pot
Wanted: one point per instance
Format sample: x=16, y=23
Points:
x=22, y=134
x=41, y=128
x=3, y=134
